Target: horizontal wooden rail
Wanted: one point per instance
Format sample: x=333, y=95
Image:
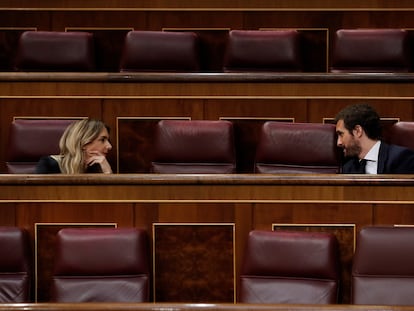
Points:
x=191, y=307
x=205, y=188
x=134, y=77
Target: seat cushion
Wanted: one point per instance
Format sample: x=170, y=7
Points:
x=30, y=139
x=199, y=146
x=160, y=51
x=55, y=51
x=101, y=265
x=400, y=133
x=255, y=50
x=371, y=50
x=15, y=265
x=383, y=261
x=297, y=148
x=290, y=267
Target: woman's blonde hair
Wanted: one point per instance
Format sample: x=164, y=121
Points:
x=71, y=144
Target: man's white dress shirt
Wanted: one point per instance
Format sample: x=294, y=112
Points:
x=372, y=159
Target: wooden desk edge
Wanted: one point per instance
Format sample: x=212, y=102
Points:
x=189, y=307
x=207, y=179
x=269, y=77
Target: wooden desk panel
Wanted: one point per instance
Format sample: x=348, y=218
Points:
x=243, y=4
x=247, y=201
x=91, y=306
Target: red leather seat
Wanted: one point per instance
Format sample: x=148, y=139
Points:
x=197, y=147
x=160, y=51
x=401, y=133
x=371, y=50
x=55, y=51
x=15, y=265
x=257, y=50
x=297, y=148
x=290, y=268
x=30, y=139
x=383, y=270
x=101, y=265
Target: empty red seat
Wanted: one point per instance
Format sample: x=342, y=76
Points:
x=257, y=50
x=30, y=139
x=15, y=265
x=290, y=267
x=297, y=148
x=401, y=133
x=371, y=50
x=199, y=146
x=383, y=270
x=101, y=265
x=160, y=51
x=55, y=51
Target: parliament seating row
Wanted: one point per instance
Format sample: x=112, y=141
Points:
x=112, y=265
x=89, y=265
x=196, y=146
x=293, y=267
x=207, y=146
x=353, y=50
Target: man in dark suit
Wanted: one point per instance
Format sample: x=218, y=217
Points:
x=359, y=135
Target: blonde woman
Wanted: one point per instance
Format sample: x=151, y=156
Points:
x=83, y=149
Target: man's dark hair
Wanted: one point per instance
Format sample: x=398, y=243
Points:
x=363, y=115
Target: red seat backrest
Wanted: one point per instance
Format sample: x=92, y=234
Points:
x=297, y=148
x=55, y=51
x=101, y=265
x=199, y=146
x=257, y=50
x=15, y=265
x=160, y=51
x=383, y=270
x=30, y=139
x=290, y=267
x=371, y=50
x=401, y=133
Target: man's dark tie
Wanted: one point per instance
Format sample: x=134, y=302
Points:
x=361, y=167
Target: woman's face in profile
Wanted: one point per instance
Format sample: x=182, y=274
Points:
x=100, y=145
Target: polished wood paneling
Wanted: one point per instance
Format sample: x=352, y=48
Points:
x=245, y=201
x=9, y=38
x=208, y=4
x=193, y=262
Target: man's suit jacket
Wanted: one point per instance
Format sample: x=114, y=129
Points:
x=392, y=159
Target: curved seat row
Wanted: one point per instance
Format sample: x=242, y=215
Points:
x=303, y=267
x=290, y=267
x=353, y=50
x=207, y=146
